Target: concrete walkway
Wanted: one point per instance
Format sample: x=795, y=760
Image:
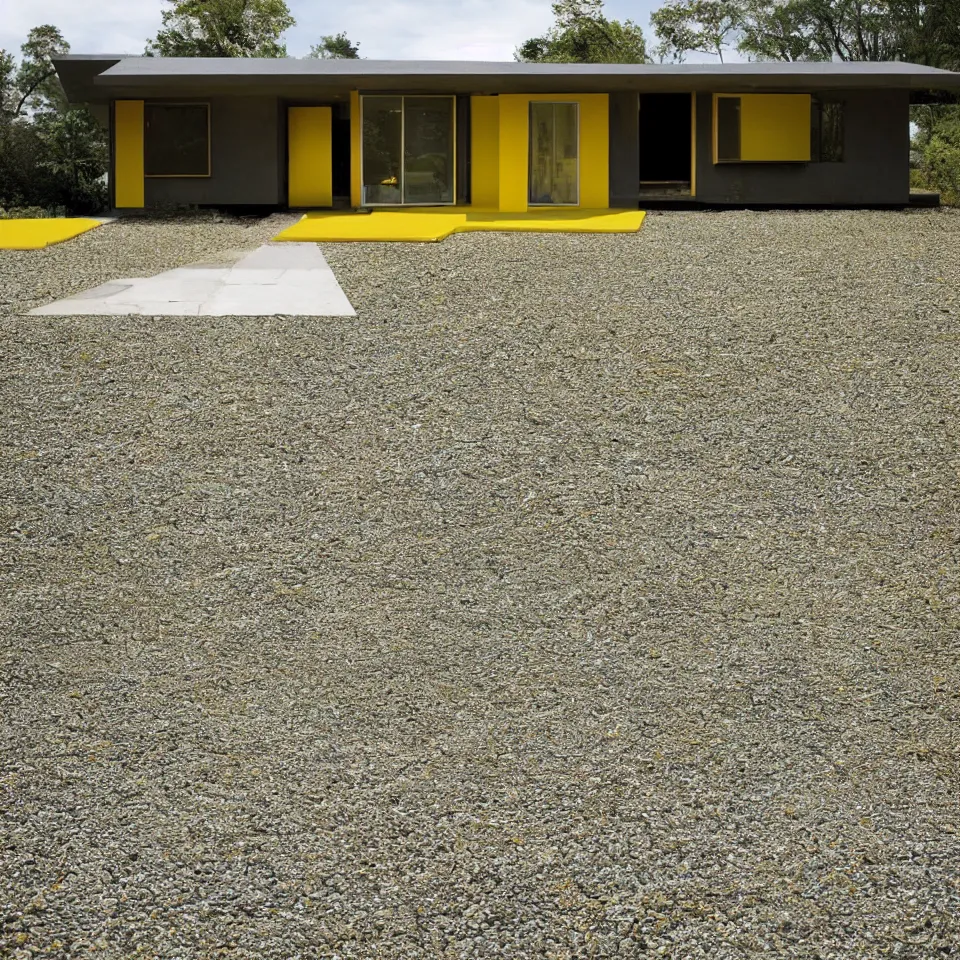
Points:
x=280, y=278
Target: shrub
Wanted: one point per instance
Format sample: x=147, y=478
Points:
x=940, y=168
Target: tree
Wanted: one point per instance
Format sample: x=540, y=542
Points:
x=52, y=155
x=336, y=47
x=930, y=32
x=34, y=86
x=694, y=26
x=222, y=28
x=927, y=31
x=582, y=34
x=778, y=31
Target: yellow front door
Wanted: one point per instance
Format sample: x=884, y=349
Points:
x=310, y=156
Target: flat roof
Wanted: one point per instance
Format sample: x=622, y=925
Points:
x=105, y=77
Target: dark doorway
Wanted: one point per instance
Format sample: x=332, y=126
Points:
x=665, y=137
x=341, y=155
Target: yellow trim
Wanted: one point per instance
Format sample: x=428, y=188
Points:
x=310, y=156
x=183, y=176
x=356, y=145
x=485, y=149
x=128, y=153
x=693, y=144
x=714, y=128
x=774, y=127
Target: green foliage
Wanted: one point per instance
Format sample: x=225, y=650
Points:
x=222, y=28
x=941, y=169
x=931, y=33
x=8, y=89
x=936, y=147
x=694, y=26
x=925, y=32
x=336, y=47
x=52, y=155
x=36, y=79
x=582, y=34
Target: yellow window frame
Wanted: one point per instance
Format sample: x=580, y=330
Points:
x=774, y=127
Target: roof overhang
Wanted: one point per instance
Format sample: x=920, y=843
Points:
x=105, y=78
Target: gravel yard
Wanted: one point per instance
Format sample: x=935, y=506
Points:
x=582, y=597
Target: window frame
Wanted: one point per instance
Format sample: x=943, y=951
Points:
x=753, y=95
x=403, y=97
x=178, y=176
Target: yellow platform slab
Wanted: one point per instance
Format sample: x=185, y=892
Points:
x=430, y=224
x=40, y=233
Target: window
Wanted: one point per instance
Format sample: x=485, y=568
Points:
x=728, y=128
x=176, y=139
x=761, y=128
x=827, y=131
x=408, y=150
x=554, y=153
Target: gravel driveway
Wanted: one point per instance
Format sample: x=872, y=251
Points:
x=582, y=597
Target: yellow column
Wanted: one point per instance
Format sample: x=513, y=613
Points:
x=485, y=152
x=310, y=156
x=128, y=153
x=594, y=150
x=356, y=140
x=514, y=173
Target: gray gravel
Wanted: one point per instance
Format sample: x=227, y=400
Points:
x=582, y=597
x=128, y=247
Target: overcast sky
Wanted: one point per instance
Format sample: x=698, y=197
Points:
x=400, y=29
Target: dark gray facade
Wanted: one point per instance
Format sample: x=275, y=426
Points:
x=249, y=99
x=247, y=158
x=874, y=170
x=624, y=150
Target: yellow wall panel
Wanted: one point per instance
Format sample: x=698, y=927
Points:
x=310, y=156
x=128, y=153
x=514, y=152
x=775, y=127
x=515, y=148
x=594, y=150
x=356, y=139
x=485, y=152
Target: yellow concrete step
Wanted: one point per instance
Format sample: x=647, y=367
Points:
x=430, y=224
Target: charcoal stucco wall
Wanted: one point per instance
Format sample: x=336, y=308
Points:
x=245, y=158
x=875, y=169
x=624, y=149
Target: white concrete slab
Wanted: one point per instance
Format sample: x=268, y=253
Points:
x=292, y=279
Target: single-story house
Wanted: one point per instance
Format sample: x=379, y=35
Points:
x=502, y=136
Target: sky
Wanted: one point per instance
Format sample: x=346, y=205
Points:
x=391, y=29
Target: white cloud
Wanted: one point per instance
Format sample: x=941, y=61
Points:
x=107, y=26
x=399, y=29
x=388, y=29
x=424, y=29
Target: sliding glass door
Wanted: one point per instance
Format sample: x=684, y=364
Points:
x=408, y=152
x=554, y=153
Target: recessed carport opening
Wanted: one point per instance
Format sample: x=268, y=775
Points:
x=666, y=133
